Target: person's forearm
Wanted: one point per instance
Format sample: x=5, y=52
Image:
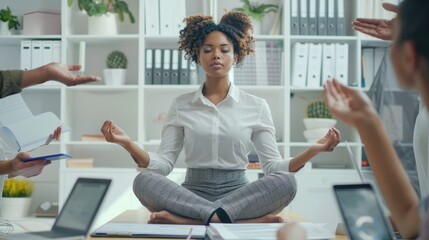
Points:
x=5, y=167
x=140, y=156
x=301, y=159
x=392, y=180
x=33, y=77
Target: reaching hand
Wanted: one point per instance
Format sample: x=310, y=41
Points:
x=113, y=133
x=63, y=74
x=328, y=142
x=378, y=28
x=26, y=169
x=349, y=105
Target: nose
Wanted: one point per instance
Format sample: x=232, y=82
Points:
x=216, y=54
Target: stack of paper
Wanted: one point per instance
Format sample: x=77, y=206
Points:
x=263, y=231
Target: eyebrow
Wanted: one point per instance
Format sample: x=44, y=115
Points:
x=222, y=45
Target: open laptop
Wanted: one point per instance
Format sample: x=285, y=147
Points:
x=78, y=213
x=362, y=213
x=354, y=160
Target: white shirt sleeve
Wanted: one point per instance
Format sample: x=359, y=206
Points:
x=264, y=141
x=172, y=136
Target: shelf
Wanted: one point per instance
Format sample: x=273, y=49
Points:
x=16, y=39
x=323, y=39
x=44, y=88
x=103, y=88
x=374, y=42
x=104, y=40
x=268, y=37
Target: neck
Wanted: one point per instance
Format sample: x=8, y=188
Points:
x=216, y=87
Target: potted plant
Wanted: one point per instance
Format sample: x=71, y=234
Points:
x=7, y=21
x=102, y=15
x=16, y=197
x=116, y=68
x=257, y=12
x=318, y=121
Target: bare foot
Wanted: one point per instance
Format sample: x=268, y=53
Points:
x=165, y=217
x=269, y=218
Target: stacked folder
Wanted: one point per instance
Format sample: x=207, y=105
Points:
x=36, y=53
x=168, y=66
x=164, y=17
x=317, y=17
x=264, y=68
x=315, y=63
x=371, y=62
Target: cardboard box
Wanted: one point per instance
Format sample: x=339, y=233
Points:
x=42, y=23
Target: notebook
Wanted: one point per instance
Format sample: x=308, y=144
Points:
x=78, y=213
x=139, y=230
x=362, y=213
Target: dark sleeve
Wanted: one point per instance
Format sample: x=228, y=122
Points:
x=10, y=82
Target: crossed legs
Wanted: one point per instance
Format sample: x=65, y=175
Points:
x=254, y=202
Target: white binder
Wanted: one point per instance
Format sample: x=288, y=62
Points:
x=149, y=66
x=25, y=55
x=184, y=69
x=299, y=64
x=332, y=26
x=178, y=16
x=294, y=17
x=314, y=65
x=166, y=17
x=368, y=66
x=174, y=75
x=151, y=10
x=36, y=54
x=328, y=62
x=312, y=18
x=322, y=20
x=166, y=58
x=47, y=56
x=342, y=62
x=56, y=51
x=303, y=17
x=341, y=22
x=157, y=71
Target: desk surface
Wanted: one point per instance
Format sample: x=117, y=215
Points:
x=141, y=216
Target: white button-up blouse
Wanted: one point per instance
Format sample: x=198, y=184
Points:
x=218, y=136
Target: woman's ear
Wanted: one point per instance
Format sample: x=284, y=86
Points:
x=235, y=59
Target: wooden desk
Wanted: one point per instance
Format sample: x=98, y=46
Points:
x=142, y=216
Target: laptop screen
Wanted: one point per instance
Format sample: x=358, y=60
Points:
x=82, y=205
x=361, y=212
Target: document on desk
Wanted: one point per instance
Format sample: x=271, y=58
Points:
x=140, y=230
x=263, y=231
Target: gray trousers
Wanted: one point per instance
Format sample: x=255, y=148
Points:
x=205, y=191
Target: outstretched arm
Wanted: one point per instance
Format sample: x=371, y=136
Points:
x=16, y=167
x=114, y=134
x=355, y=108
x=325, y=144
x=378, y=28
x=57, y=72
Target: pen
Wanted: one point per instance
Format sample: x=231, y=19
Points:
x=189, y=234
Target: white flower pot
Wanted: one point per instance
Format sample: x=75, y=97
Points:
x=114, y=77
x=4, y=28
x=15, y=207
x=105, y=24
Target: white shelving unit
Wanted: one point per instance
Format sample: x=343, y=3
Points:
x=135, y=107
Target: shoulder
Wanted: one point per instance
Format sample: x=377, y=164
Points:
x=249, y=99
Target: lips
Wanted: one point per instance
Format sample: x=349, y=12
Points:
x=216, y=65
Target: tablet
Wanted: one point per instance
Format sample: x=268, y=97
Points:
x=52, y=157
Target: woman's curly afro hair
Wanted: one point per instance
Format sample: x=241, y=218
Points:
x=235, y=25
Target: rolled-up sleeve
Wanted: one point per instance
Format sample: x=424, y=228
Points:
x=10, y=82
x=264, y=141
x=172, y=135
